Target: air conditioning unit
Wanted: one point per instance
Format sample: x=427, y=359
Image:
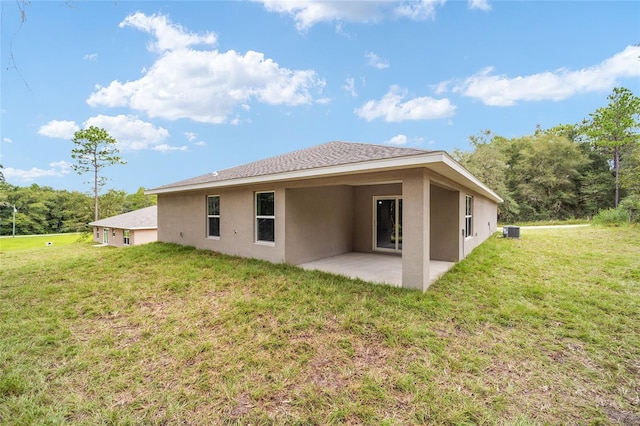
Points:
x=511, y=231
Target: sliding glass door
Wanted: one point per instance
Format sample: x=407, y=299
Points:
x=387, y=224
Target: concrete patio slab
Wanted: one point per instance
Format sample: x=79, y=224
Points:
x=373, y=267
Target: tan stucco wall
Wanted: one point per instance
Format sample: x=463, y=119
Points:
x=444, y=233
x=136, y=237
x=182, y=219
x=485, y=217
x=319, y=223
x=142, y=236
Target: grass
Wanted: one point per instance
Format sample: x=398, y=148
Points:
x=540, y=330
x=551, y=222
x=30, y=242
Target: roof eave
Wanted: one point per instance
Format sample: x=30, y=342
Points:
x=344, y=169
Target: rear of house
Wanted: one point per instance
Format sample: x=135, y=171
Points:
x=333, y=199
x=127, y=229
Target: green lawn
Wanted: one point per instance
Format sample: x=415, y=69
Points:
x=540, y=330
x=31, y=242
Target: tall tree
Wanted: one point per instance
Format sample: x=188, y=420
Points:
x=614, y=127
x=94, y=149
x=545, y=176
x=139, y=200
x=488, y=163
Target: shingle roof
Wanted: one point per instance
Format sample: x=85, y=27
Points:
x=324, y=155
x=146, y=218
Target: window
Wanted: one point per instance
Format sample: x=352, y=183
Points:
x=468, y=216
x=126, y=237
x=213, y=216
x=265, y=216
x=114, y=232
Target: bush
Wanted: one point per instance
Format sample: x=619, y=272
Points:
x=631, y=205
x=610, y=217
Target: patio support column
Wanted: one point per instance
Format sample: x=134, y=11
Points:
x=415, y=230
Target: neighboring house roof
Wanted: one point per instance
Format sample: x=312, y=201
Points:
x=146, y=218
x=330, y=159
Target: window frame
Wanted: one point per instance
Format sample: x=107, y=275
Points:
x=258, y=218
x=213, y=216
x=126, y=239
x=468, y=216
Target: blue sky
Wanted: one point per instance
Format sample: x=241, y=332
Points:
x=188, y=88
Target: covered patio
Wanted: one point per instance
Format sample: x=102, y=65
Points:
x=373, y=267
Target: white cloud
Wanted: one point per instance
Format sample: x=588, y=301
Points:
x=168, y=36
x=375, y=61
x=501, y=90
x=350, y=86
x=167, y=148
x=398, y=140
x=201, y=143
x=56, y=169
x=205, y=85
x=7, y=140
x=419, y=10
x=307, y=13
x=90, y=57
x=191, y=136
x=59, y=129
x=480, y=5
x=391, y=108
x=404, y=140
x=131, y=133
x=441, y=87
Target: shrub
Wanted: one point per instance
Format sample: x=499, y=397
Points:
x=631, y=205
x=611, y=217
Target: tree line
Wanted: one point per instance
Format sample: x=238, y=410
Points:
x=568, y=171
x=44, y=210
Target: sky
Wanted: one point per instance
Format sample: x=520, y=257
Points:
x=189, y=88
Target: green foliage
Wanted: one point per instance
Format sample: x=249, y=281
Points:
x=545, y=178
x=43, y=210
x=94, y=149
x=631, y=205
x=630, y=169
x=614, y=127
x=488, y=163
x=565, y=171
x=611, y=216
x=628, y=211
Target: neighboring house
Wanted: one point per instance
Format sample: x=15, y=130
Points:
x=331, y=199
x=127, y=229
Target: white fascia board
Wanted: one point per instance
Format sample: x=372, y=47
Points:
x=342, y=169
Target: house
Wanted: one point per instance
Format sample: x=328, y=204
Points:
x=415, y=206
x=127, y=229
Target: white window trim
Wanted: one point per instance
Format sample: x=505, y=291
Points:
x=126, y=236
x=257, y=217
x=468, y=233
x=212, y=237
